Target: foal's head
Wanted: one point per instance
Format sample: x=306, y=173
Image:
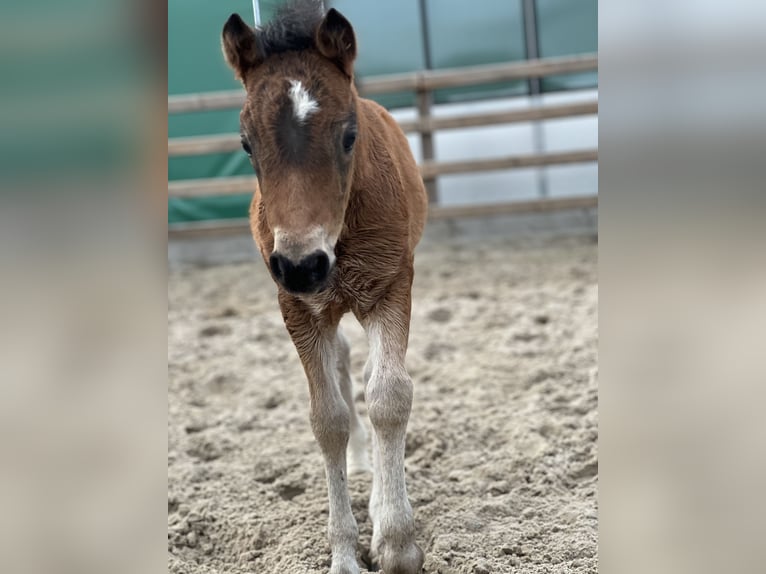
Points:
x=298, y=126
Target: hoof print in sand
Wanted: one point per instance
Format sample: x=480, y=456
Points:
x=214, y=331
x=440, y=315
x=288, y=491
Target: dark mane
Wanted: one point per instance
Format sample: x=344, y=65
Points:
x=292, y=28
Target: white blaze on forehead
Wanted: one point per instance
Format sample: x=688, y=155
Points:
x=303, y=103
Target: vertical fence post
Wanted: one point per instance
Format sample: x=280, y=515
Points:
x=529, y=12
x=426, y=140
x=424, y=102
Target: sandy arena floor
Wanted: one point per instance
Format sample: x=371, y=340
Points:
x=502, y=462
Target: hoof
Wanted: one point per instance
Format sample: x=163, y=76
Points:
x=344, y=567
x=403, y=560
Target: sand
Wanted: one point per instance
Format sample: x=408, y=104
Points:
x=501, y=461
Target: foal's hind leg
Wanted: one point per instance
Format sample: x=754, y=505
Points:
x=357, y=442
x=374, y=507
x=389, y=400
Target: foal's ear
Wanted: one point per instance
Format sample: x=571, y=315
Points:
x=335, y=40
x=239, y=46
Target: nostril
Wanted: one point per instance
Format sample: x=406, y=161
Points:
x=317, y=264
x=275, y=262
x=304, y=277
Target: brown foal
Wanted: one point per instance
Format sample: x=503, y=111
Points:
x=337, y=212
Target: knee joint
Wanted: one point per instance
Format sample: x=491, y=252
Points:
x=389, y=399
x=331, y=426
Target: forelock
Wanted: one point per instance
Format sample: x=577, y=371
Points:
x=293, y=28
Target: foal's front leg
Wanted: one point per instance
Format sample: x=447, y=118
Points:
x=317, y=346
x=389, y=401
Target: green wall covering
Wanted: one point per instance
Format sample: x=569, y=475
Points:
x=195, y=64
x=390, y=41
x=566, y=27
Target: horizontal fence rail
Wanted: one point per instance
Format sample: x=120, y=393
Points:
x=430, y=169
x=246, y=184
x=422, y=84
x=224, y=143
x=212, y=186
x=412, y=82
x=488, y=74
x=219, y=227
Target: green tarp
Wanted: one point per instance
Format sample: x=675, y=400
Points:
x=391, y=40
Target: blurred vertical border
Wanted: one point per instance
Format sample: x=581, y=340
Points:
x=682, y=281
x=83, y=169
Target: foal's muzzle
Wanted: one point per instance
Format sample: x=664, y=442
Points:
x=309, y=275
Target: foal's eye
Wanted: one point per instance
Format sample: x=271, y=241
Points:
x=246, y=147
x=348, y=140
